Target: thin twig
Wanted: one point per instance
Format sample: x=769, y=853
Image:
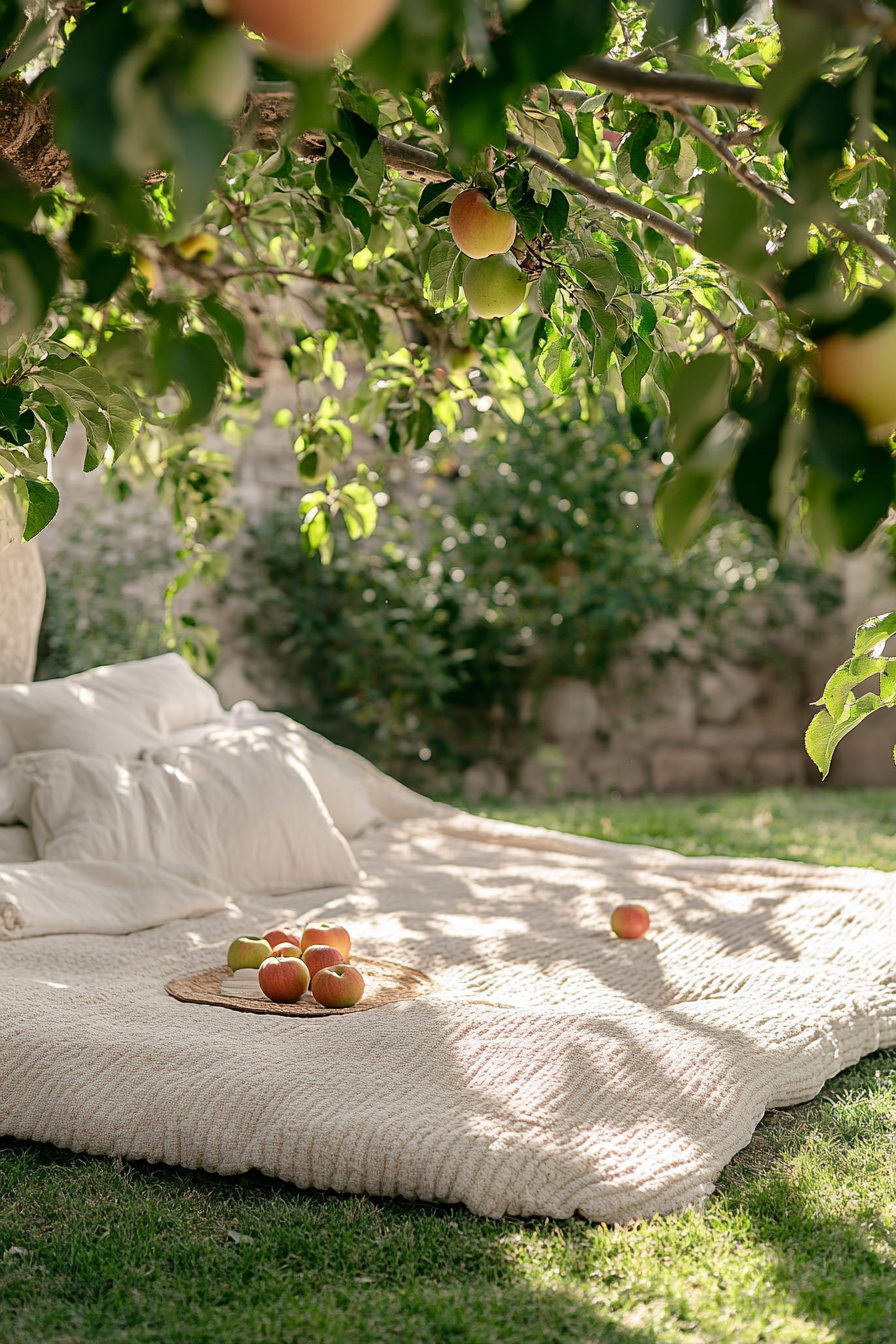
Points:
x=856, y=233
x=599, y=195
x=719, y=145
x=662, y=87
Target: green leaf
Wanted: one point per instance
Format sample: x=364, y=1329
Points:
x=876, y=630
x=603, y=337
x=628, y=265
x=17, y=204
x=103, y=272
x=360, y=131
x=371, y=171
x=359, y=509
x=359, y=215
x=850, y=484
x=570, y=139
x=637, y=140
x=635, y=369
x=557, y=364
x=228, y=323
x=685, y=498
x=195, y=364
x=755, y=485
x=430, y=198
x=731, y=231
x=342, y=174
x=556, y=214
x=601, y=273
x=42, y=502
x=546, y=292
x=444, y=274
x=824, y=732
x=698, y=398
x=838, y=691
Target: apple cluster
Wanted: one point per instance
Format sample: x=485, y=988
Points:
x=493, y=284
x=282, y=966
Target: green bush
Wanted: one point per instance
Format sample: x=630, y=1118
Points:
x=485, y=579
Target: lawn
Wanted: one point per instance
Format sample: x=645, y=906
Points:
x=797, y=1245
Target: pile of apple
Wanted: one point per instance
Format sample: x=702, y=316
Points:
x=283, y=966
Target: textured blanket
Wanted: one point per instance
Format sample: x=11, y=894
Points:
x=555, y=1069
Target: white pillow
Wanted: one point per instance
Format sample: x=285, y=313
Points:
x=7, y=746
x=355, y=793
x=241, y=810
x=16, y=845
x=107, y=711
x=7, y=799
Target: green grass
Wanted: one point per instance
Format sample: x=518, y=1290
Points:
x=797, y=1245
x=831, y=826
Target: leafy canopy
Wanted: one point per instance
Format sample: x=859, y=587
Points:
x=702, y=194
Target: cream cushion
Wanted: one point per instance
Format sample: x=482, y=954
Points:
x=240, y=810
x=114, y=711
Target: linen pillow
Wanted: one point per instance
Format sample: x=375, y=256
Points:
x=355, y=793
x=16, y=845
x=7, y=799
x=107, y=711
x=241, y=810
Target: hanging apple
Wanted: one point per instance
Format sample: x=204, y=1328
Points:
x=310, y=31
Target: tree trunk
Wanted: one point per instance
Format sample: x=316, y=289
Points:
x=22, y=592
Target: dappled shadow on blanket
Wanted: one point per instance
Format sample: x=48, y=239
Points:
x=502, y=906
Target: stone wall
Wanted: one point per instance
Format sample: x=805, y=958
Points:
x=678, y=714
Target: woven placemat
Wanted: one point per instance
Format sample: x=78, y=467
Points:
x=384, y=982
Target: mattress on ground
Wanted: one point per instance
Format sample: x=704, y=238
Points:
x=555, y=1070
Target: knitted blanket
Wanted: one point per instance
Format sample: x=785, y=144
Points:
x=555, y=1070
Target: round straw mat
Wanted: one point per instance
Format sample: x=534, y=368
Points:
x=384, y=981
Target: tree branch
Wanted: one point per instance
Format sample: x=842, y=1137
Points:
x=856, y=233
x=599, y=195
x=721, y=146
x=420, y=164
x=662, y=87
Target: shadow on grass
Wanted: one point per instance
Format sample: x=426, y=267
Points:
x=133, y=1252
x=836, y=1264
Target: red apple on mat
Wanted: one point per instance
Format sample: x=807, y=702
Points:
x=328, y=935
x=287, y=950
x=247, y=953
x=283, y=979
x=337, y=986
x=629, y=921
x=277, y=936
x=316, y=958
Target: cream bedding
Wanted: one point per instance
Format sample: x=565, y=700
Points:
x=555, y=1070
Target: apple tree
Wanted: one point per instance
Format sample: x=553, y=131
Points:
x=692, y=202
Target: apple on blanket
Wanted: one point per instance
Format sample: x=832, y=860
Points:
x=282, y=966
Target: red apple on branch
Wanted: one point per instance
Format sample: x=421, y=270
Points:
x=328, y=935
x=283, y=979
x=310, y=31
x=630, y=921
x=316, y=958
x=478, y=229
x=338, y=986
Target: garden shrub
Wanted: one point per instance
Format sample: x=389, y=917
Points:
x=488, y=577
